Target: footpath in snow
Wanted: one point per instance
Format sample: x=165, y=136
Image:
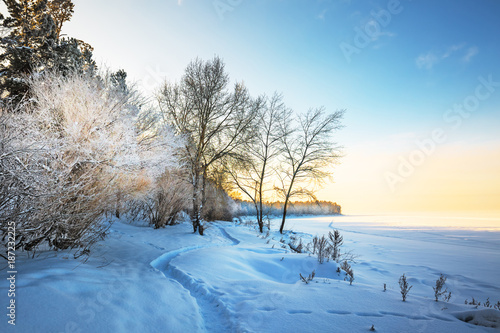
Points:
x=236, y=280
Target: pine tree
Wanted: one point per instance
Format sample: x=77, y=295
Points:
x=32, y=44
x=61, y=11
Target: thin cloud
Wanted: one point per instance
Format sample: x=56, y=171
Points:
x=471, y=53
x=452, y=49
x=321, y=16
x=427, y=61
x=431, y=58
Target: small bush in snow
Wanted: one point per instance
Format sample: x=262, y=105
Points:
x=327, y=248
x=472, y=302
x=404, y=286
x=438, y=289
x=294, y=246
x=309, y=278
x=321, y=248
x=336, y=241
x=486, y=304
x=346, y=267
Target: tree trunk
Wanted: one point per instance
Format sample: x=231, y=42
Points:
x=284, y=215
x=287, y=198
x=203, y=201
x=195, y=218
x=118, y=202
x=260, y=215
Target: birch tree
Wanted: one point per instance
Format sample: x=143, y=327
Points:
x=214, y=120
x=309, y=154
x=250, y=173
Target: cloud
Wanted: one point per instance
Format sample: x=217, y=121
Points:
x=427, y=61
x=179, y=2
x=431, y=58
x=471, y=53
x=321, y=16
x=452, y=49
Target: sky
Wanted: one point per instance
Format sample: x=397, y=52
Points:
x=419, y=80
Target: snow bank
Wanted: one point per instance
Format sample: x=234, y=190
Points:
x=235, y=280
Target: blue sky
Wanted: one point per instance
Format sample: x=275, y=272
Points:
x=397, y=88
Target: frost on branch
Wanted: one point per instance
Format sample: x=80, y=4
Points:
x=66, y=156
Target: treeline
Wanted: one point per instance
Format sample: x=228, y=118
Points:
x=246, y=208
x=79, y=144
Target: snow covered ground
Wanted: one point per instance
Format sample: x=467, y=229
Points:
x=235, y=280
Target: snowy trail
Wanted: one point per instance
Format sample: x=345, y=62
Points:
x=216, y=317
x=235, y=279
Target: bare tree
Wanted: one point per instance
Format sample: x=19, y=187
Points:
x=249, y=174
x=308, y=154
x=213, y=119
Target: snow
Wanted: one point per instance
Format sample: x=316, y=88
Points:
x=235, y=280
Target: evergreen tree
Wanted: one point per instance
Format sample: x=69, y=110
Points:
x=119, y=81
x=61, y=11
x=32, y=44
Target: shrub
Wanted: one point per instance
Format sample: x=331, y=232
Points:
x=438, y=289
x=486, y=304
x=294, y=245
x=309, y=278
x=321, y=248
x=218, y=205
x=404, y=286
x=163, y=202
x=336, y=241
x=329, y=247
x=70, y=149
x=346, y=267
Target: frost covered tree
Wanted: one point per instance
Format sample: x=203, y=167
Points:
x=309, y=154
x=213, y=119
x=255, y=165
x=64, y=158
x=32, y=44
